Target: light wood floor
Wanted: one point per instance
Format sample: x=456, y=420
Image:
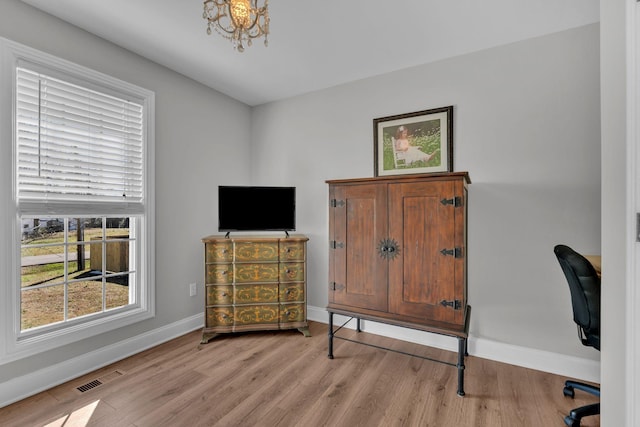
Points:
x=283, y=379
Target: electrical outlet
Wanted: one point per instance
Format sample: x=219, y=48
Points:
x=192, y=289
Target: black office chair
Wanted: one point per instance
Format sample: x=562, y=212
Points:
x=584, y=285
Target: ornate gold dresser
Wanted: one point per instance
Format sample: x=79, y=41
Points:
x=255, y=283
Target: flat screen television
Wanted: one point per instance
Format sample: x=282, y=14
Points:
x=249, y=208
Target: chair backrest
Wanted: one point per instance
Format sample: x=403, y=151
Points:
x=398, y=158
x=584, y=285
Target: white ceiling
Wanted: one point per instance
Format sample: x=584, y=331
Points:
x=315, y=44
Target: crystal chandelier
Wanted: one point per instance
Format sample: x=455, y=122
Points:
x=238, y=20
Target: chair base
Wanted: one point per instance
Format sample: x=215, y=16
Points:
x=574, y=417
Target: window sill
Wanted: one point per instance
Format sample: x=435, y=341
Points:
x=34, y=342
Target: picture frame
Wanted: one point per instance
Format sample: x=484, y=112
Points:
x=414, y=143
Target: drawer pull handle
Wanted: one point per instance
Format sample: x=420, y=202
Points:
x=288, y=271
x=288, y=291
x=223, y=272
x=224, y=294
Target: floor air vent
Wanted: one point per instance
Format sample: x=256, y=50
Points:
x=89, y=386
x=99, y=381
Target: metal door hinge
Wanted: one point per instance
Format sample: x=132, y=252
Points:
x=336, y=203
x=455, y=304
x=333, y=286
x=455, y=252
x=455, y=201
x=336, y=245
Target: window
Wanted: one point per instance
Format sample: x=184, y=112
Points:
x=82, y=202
x=74, y=267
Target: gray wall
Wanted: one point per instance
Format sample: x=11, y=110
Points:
x=202, y=138
x=614, y=196
x=527, y=128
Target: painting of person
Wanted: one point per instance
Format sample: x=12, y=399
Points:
x=409, y=153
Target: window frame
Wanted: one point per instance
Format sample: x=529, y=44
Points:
x=14, y=343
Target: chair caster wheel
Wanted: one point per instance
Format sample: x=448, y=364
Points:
x=569, y=392
x=571, y=422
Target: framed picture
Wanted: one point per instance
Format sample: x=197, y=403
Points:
x=420, y=142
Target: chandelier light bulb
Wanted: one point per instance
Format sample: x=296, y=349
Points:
x=240, y=10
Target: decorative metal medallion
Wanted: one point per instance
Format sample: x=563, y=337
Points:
x=388, y=248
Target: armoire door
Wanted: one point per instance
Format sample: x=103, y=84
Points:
x=358, y=219
x=427, y=221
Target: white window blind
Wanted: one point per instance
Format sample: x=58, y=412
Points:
x=76, y=146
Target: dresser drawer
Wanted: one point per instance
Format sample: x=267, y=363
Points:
x=292, y=272
x=292, y=251
x=219, y=316
x=219, y=273
x=292, y=292
x=219, y=294
x=256, y=251
x=218, y=252
x=292, y=313
x=256, y=314
x=258, y=293
x=255, y=272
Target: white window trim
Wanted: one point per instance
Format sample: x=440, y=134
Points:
x=15, y=345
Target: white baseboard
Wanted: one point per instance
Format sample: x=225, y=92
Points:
x=560, y=364
x=27, y=385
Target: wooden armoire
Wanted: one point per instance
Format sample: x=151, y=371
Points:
x=398, y=252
